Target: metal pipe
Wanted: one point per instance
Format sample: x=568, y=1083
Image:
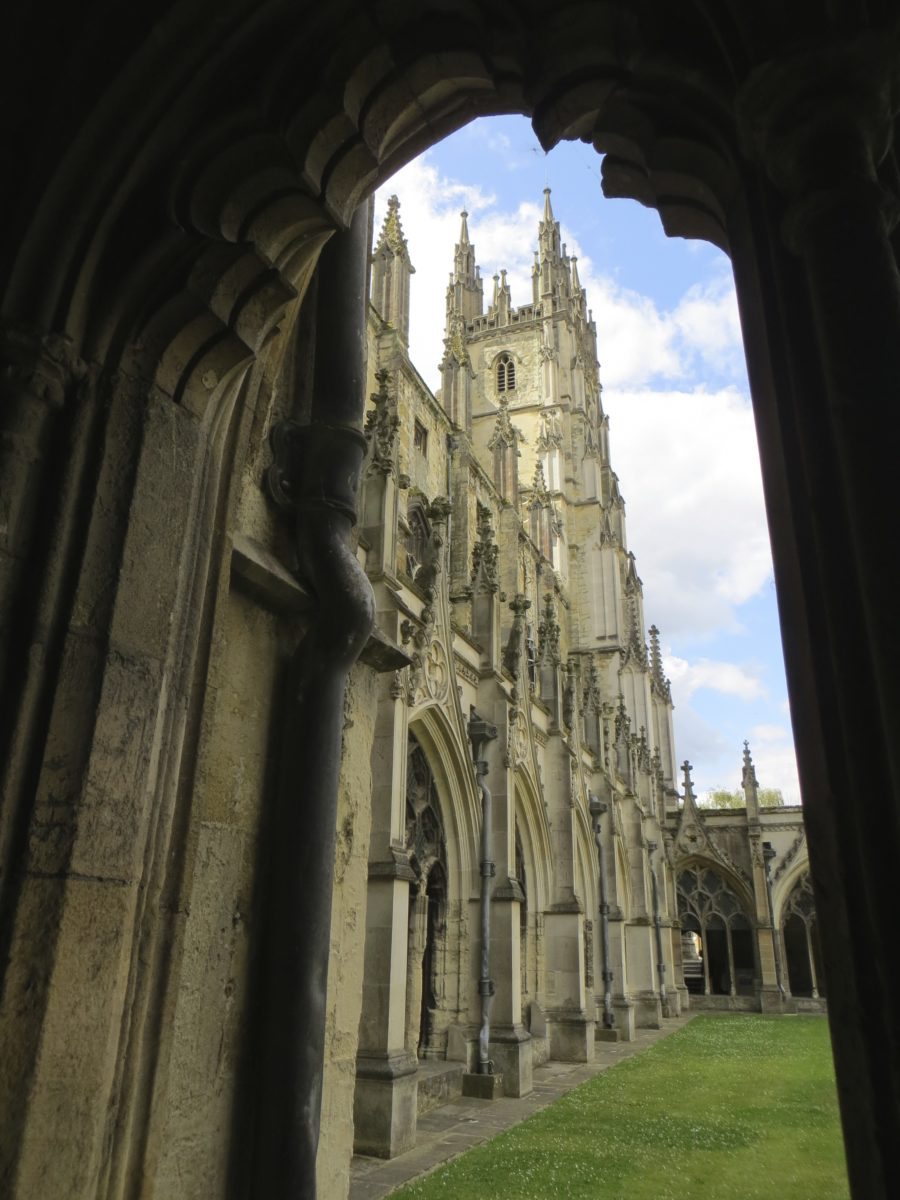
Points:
x=657, y=927
x=598, y=808
x=481, y=732
x=315, y=475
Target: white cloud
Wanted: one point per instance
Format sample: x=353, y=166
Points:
x=772, y=747
x=731, y=679
x=690, y=475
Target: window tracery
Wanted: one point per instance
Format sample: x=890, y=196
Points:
x=710, y=909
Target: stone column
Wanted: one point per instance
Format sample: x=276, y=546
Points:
x=570, y=1027
x=819, y=292
x=510, y=1042
x=386, y=1090
x=418, y=933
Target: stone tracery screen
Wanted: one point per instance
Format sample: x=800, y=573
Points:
x=709, y=908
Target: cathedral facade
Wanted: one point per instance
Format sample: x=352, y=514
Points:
x=494, y=534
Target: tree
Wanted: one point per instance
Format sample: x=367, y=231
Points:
x=722, y=798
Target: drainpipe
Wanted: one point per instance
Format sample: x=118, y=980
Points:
x=769, y=853
x=315, y=477
x=657, y=928
x=598, y=808
x=481, y=732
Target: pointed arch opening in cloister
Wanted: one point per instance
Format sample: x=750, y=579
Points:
x=801, y=941
x=719, y=954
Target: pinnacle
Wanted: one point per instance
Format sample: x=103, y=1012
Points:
x=464, y=229
x=391, y=236
x=548, y=210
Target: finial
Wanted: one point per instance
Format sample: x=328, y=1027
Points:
x=748, y=776
x=548, y=211
x=688, y=782
x=463, y=229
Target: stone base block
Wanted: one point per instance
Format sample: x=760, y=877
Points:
x=624, y=1011
x=648, y=1011
x=726, y=1004
x=512, y=1053
x=571, y=1038
x=384, y=1105
x=605, y=1035
x=771, y=1001
x=482, y=1087
x=437, y=1083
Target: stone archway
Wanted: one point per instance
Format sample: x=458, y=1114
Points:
x=426, y=1016
x=800, y=938
x=710, y=909
x=174, y=186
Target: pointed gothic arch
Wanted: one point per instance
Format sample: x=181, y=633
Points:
x=180, y=202
x=801, y=939
x=712, y=905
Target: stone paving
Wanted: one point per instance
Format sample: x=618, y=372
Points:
x=456, y=1127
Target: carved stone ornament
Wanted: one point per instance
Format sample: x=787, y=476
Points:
x=569, y=695
x=382, y=424
x=516, y=737
x=41, y=368
x=512, y=653
x=548, y=633
x=485, y=553
x=505, y=433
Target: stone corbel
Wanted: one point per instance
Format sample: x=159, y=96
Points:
x=821, y=122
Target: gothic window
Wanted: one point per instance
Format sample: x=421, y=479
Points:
x=506, y=374
x=420, y=439
x=709, y=909
x=417, y=540
x=800, y=937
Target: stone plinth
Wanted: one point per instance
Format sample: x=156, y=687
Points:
x=482, y=1087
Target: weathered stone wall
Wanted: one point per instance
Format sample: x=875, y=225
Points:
x=348, y=929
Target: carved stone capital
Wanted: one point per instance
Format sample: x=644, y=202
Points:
x=821, y=122
x=42, y=365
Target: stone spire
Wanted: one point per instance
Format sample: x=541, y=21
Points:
x=749, y=784
x=391, y=271
x=553, y=282
x=465, y=294
x=659, y=683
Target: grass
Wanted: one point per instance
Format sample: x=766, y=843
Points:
x=730, y=1106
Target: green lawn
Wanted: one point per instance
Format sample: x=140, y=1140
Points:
x=730, y=1106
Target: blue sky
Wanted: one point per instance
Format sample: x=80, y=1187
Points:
x=681, y=427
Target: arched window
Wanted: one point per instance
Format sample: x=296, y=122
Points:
x=506, y=374
x=417, y=540
x=800, y=938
